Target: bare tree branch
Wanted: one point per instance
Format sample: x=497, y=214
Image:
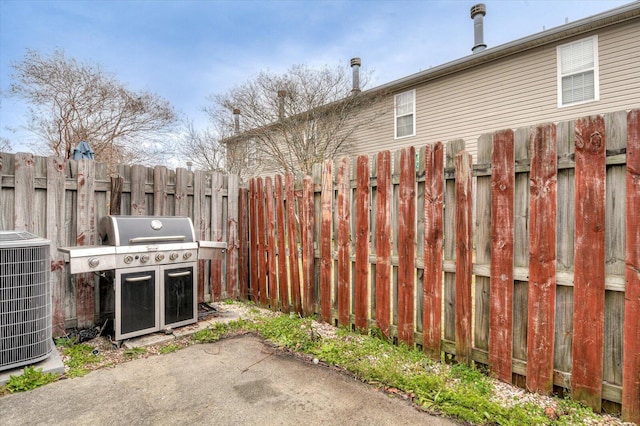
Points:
x=72, y=102
x=320, y=118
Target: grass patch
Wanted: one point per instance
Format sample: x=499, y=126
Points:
x=30, y=379
x=79, y=358
x=133, y=353
x=458, y=391
x=219, y=330
x=168, y=348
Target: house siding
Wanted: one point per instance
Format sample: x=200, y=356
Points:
x=495, y=96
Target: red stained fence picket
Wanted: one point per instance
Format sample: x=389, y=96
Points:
x=631, y=372
x=549, y=303
x=501, y=283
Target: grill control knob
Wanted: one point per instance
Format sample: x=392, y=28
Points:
x=187, y=255
x=94, y=262
x=128, y=259
x=173, y=256
x=159, y=257
x=144, y=258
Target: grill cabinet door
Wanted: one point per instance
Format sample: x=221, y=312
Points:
x=179, y=293
x=136, y=302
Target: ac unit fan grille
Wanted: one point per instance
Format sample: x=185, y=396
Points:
x=25, y=301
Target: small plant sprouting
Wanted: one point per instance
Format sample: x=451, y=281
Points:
x=134, y=353
x=30, y=379
x=168, y=348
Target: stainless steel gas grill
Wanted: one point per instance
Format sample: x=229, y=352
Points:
x=152, y=263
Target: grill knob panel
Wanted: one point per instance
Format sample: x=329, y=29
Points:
x=173, y=256
x=128, y=259
x=144, y=258
x=94, y=262
x=186, y=255
x=159, y=257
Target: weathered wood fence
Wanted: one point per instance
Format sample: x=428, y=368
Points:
x=539, y=280
x=63, y=200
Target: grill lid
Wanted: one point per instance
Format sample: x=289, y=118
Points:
x=139, y=230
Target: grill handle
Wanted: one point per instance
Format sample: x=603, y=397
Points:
x=157, y=239
x=179, y=274
x=138, y=279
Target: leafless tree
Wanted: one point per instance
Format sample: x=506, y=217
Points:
x=5, y=145
x=202, y=147
x=293, y=120
x=72, y=102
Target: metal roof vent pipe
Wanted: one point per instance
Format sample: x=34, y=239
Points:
x=236, y=121
x=477, y=14
x=281, y=95
x=355, y=66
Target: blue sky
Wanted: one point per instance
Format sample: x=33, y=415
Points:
x=186, y=50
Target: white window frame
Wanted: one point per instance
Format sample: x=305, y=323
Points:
x=396, y=116
x=596, y=73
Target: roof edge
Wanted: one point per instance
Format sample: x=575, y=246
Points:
x=561, y=32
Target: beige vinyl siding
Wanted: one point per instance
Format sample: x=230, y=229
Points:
x=512, y=92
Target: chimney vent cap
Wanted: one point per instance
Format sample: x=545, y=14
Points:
x=356, y=61
x=236, y=111
x=478, y=8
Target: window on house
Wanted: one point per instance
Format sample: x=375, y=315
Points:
x=578, y=72
x=405, y=107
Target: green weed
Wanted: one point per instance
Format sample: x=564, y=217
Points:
x=168, y=348
x=134, y=353
x=79, y=358
x=30, y=379
x=219, y=330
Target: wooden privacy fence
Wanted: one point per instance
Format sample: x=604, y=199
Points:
x=63, y=200
x=536, y=273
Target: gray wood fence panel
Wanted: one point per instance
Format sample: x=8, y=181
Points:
x=138, y=196
x=6, y=191
x=63, y=200
x=24, y=219
x=160, y=193
x=56, y=233
x=483, y=244
x=449, y=249
x=521, y=243
x=616, y=141
x=39, y=206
